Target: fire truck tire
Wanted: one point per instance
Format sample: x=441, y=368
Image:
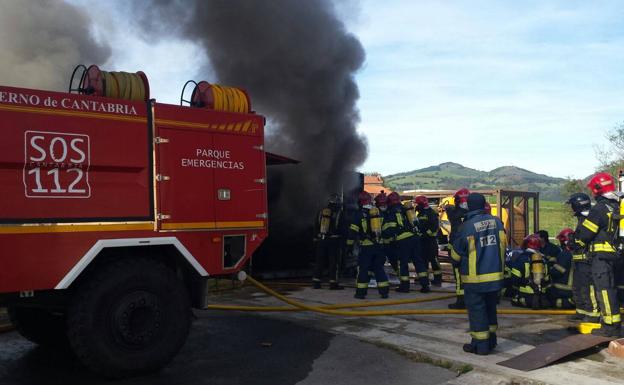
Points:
x=40, y=326
x=129, y=318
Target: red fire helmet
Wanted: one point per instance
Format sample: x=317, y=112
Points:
x=364, y=199
x=564, y=235
x=394, y=199
x=381, y=199
x=461, y=195
x=421, y=202
x=488, y=208
x=532, y=241
x=601, y=183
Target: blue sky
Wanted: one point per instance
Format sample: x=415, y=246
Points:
x=481, y=83
x=490, y=83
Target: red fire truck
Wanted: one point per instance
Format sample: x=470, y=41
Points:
x=116, y=209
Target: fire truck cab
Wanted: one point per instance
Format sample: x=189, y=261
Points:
x=116, y=209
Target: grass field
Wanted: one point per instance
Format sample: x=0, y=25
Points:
x=555, y=216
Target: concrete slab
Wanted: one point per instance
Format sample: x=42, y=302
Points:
x=441, y=336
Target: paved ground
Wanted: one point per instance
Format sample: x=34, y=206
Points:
x=440, y=337
x=311, y=348
x=234, y=348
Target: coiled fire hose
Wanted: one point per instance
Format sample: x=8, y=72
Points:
x=123, y=85
x=332, y=309
x=229, y=99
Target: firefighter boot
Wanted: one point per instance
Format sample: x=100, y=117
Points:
x=477, y=348
x=437, y=280
x=459, y=303
x=360, y=293
x=493, y=341
x=404, y=287
x=614, y=330
x=424, y=284
x=383, y=291
x=335, y=286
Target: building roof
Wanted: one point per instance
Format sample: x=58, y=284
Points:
x=373, y=179
x=376, y=189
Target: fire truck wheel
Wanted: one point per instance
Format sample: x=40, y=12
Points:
x=130, y=317
x=40, y=326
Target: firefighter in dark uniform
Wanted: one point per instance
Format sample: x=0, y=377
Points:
x=389, y=248
x=584, y=295
x=599, y=232
x=328, y=242
x=559, y=292
x=428, y=224
x=416, y=256
x=480, y=244
x=455, y=214
x=365, y=235
x=548, y=250
x=398, y=231
x=529, y=275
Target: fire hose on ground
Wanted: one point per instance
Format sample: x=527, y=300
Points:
x=333, y=309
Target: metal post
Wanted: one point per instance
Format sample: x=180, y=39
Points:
x=536, y=211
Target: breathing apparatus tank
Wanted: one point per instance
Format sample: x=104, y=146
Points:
x=537, y=269
x=537, y=277
x=410, y=213
x=375, y=223
x=325, y=222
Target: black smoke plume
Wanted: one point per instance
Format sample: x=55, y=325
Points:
x=42, y=40
x=298, y=62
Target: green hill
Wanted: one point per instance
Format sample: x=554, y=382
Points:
x=450, y=176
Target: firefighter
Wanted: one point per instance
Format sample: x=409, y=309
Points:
x=599, y=231
x=328, y=242
x=428, y=224
x=365, y=235
x=583, y=284
x=480, y=244
x=389, y=249
x=529, y=274
x=455, y=214
x=416, y=256
x=548, y=250
x=559, y=292
x=397, y=230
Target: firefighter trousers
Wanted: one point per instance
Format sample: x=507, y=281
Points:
x=604, y=267
x=419, y=261
x=482, y=318
x=430, y=251
x=583, y=290
x=391, y=254
x=403, y=250
x=371, y=258
x=560, y=298
x=531, y=301
x=327, y=251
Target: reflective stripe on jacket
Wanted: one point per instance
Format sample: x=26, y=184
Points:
x=481, y=242
x=396, y=226
x=598, y=229
x=428, y=222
